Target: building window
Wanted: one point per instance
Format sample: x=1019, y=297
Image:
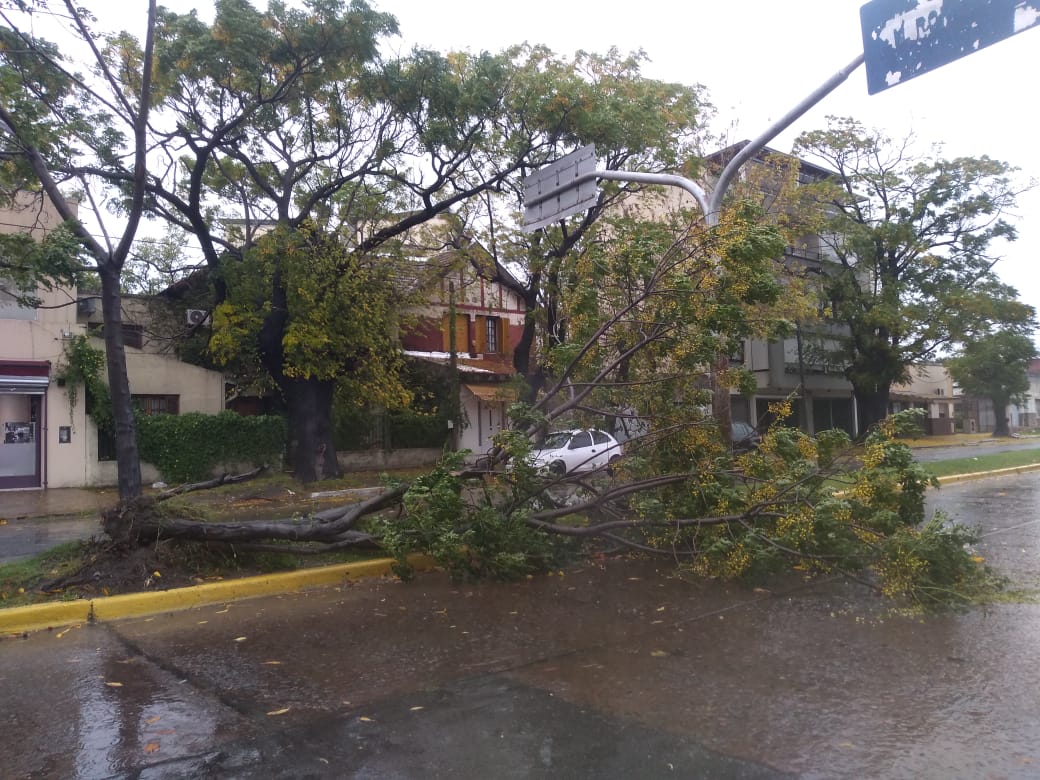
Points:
x=157, y=404
x=491, y=328
x=106, y=445
x=10, y=306
x=133, y=335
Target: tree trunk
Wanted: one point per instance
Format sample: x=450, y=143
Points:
x=524, y=349
x=1001, y=421
x=312, y=450
x=138, y=522
x=872, y=406
x=127, y=459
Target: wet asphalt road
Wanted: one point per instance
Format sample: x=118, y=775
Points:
x=609, y=671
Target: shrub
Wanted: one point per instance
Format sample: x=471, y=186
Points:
x=188, y=447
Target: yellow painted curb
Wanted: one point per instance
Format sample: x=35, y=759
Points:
x=992, y=473
x=35, y=617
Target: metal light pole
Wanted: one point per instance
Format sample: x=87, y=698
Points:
x=567, y=186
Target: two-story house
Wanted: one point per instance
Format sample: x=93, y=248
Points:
x=470, y=323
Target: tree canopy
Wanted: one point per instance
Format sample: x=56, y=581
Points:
x=912, y=246
x=995, y=366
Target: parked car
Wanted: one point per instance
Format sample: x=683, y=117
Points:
x=565, y=452
x=744, y=437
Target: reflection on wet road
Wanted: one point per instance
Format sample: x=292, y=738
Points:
x=611, y=670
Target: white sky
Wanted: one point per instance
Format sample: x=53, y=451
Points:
x=758, y=59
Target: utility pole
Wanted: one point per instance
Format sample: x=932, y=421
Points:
x=455, y=421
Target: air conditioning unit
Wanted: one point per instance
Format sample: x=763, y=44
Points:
x=197, y=317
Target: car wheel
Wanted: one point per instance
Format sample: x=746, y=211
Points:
x=558, y=468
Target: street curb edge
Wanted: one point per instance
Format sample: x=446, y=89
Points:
x=37, y=617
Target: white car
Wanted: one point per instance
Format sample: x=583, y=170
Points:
x=565, y=452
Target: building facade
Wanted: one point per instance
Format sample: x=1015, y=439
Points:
x=49, y=440
x=470, y=323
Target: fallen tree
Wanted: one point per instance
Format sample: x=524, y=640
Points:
x=815, y=503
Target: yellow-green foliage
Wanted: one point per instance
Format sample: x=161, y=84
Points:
x=340, y=312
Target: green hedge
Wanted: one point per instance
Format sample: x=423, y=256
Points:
x=188, y=447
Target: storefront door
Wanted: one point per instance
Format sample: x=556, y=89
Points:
x=21, y=415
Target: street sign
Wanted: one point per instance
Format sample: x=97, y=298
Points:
x=560, y=189
x=905, y=38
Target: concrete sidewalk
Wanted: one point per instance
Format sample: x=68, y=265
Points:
x=55, y=502
x=32, y=521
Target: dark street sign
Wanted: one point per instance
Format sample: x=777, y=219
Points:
x=565, y=187
x=905, y=38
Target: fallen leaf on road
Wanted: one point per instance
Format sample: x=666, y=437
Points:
x=114, y=684
x=151, y=747
x=660, y=609
x=240, y=639
x=271, y=663
x=153, y=719
x=282, y=711
x=658, y=653
x=365, y=720
x=416, y=708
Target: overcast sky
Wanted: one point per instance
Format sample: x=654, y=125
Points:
x=758, y=59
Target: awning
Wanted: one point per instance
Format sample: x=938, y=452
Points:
x=27, y=385
x=492, y=392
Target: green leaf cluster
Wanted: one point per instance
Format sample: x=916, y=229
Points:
x=336, y=312
x=469, y=540
x=84, y=365
x=188, y=447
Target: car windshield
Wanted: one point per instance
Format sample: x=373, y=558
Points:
x=742, y=430
x=555, y=441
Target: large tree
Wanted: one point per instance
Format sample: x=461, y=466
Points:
x=320, y=129
x=912, y=253
x=289, y=116
x=995, y=366
x=72, y=136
